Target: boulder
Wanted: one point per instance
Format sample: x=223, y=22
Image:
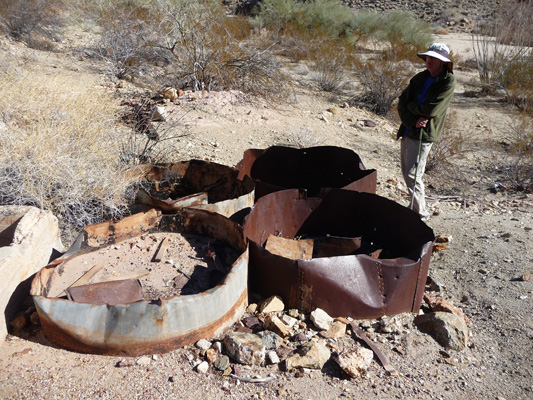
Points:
x=28, y=237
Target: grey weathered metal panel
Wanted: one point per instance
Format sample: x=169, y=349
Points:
x=145, y=327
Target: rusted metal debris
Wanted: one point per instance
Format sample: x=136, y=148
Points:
x=313, y=169
x=144, y=327
x=196, y=184
x=376, y=266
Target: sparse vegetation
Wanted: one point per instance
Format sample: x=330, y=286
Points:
x=383, y=78
x=59, y=149
x=22, y=18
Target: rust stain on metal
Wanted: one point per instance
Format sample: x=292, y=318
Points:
x=111, y=293
x=293, y=249
x=315, y=169
x=382, y=260
x=143, y=326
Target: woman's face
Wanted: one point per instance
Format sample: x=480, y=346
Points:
x=434, y=65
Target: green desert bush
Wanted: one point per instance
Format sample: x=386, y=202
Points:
x=59, y=149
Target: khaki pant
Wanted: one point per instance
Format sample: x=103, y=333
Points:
x=409, y=153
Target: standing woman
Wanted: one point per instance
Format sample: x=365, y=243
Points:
x=422, y=108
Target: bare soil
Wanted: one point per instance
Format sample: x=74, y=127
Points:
x=184, y=264
x=480, y=270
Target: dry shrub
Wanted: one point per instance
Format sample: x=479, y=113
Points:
x=450, y=145
x=330, y=60
x=59, y=150
x=22, y=18
x=214, y=51
x=518, y=163
x=149, y=142
x=383, y=78
x=503, y=54
x=126, y=31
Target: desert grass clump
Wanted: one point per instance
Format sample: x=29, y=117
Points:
x=59, y=150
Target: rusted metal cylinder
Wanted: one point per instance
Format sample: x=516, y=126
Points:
x=195, y=184
x=313, y=169
x=370, y=255
x=145, y=326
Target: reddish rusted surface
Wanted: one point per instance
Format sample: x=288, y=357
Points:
x=356, y=284
x=314, y=169
x=112, y=293
x=197, y=184
x=146, y=326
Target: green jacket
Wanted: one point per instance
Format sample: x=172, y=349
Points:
x=438, y=99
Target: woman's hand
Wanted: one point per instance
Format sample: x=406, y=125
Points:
x=422, y=122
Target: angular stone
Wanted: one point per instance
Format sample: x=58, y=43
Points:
x=272, y=304
x=251, y=322
x=321, y=319
x=311, y=355
x=245, y=348
x=144, y=360
x=252, y=308
x=211, y=355
x=203, y=344
x=439, y=304
x=221, y=363
x=159, y=113
x=449, y=330
x=272, y=357
x=270, y=339
x=354, y=363
x=28, y=237
x=289, y=321
x=170, y=93
x=203, y=367
x=274, y=324
x=336, y=330
x=391, y=325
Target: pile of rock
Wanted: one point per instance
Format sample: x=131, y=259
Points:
x=288, y=340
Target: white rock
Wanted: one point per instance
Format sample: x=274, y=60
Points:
x=159, y=113
x=321, y=319
x=203, y=344
x=144, y=360
x=28, y=237
x=202, y=367
x=272, y=357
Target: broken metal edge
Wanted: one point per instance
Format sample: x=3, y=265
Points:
x=147, y=326
x=365, y=182
x=227, y=207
